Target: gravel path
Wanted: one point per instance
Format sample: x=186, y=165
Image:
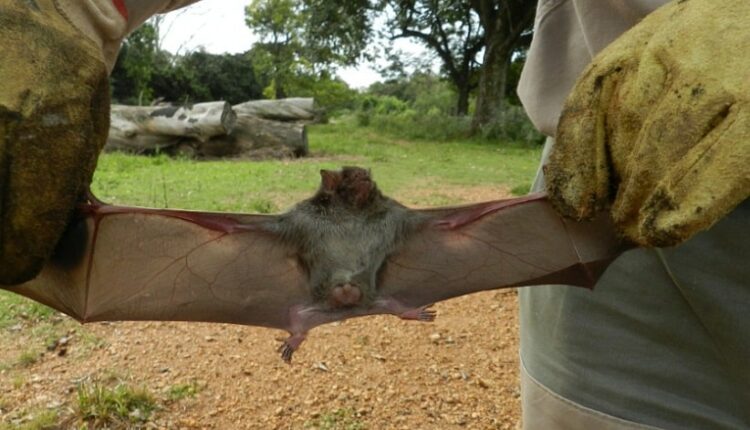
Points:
x=368, y=373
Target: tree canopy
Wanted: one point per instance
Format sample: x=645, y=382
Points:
x=479, y=44
x=144, y=72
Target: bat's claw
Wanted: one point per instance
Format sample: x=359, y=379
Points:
x=420, y=314
x=290, y=345
x=286, y=353
x=427, y=315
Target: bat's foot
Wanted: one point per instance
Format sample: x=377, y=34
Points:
x=420, y=314
x=389, y=305
x=290, y=345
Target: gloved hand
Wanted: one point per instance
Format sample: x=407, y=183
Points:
x=658, y=126
x=54, y=116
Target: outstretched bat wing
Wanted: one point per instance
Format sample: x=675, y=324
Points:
x=119, y=263
x=492, y=245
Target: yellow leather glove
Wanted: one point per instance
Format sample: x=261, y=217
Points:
x=54, y=116
x=658, y=126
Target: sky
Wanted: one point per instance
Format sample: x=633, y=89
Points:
x=219, y=26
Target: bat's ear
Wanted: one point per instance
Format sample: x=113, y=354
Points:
x=330, y=180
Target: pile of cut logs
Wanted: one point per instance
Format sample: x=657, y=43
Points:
x=256, y=129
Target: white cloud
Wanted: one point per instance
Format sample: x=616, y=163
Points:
x=218, y=26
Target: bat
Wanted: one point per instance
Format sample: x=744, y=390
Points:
x=347, y=251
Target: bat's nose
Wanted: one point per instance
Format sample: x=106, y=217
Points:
x=346, y=294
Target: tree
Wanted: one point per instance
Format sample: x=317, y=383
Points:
x=451, y=29
x=457, y=32
x=279, y=25
x=144, y=73
x=131, y=77
x=507, y=26
x=304, y=38
x=339, y=31
x=230, y=77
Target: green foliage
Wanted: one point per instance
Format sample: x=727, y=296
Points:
x=512, y=124
x=371, y=106
x=421, y=106
x=451, y=30
x=42, y=419
x=430, y=125
x=178, y=392
x=15, y=308
x=131, y=77
x=282, y=53
x=331, y=94
x=103, y=406
x=417, y=106
x=200, y=76
x=521, y=190
x=143, y=73
x=28, y=358
x=301, y=40
x=340, y=419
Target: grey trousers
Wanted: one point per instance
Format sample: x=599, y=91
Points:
x=663, y=340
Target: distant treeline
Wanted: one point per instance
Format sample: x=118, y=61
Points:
x=144, y=73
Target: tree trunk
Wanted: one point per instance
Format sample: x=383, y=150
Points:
x=210, y=130
x=504, y=24
x=492, y=81
x=291, y=109
x=258, y=138
x=462, y=104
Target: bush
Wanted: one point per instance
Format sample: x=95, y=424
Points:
x=373, y=105
x=512, y=124
x=331, y=94
x=431, y=125
x=422, y=106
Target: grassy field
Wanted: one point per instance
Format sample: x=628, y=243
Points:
x=417, y=173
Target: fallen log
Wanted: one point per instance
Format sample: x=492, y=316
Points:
x=142, y=129
x=291, y=109
x=213, y=130
x=258, y=138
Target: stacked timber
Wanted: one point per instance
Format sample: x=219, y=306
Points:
x=254, y=129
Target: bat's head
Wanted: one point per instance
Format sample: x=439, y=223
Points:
x=350, y=186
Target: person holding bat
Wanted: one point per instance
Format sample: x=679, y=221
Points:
x=654, y=135
x=648, y=102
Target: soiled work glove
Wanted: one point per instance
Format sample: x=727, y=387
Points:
x=54, y=115
x=658, y=126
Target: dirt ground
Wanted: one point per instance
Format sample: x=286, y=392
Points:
x=458, y=372
x=375, y=372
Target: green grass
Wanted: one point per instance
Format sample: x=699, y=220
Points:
x=43, y=419
x=28, y=358
x=103, y=406
x=399, y=167
x=14, y=309
x=178, y=392
x=340, y=419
